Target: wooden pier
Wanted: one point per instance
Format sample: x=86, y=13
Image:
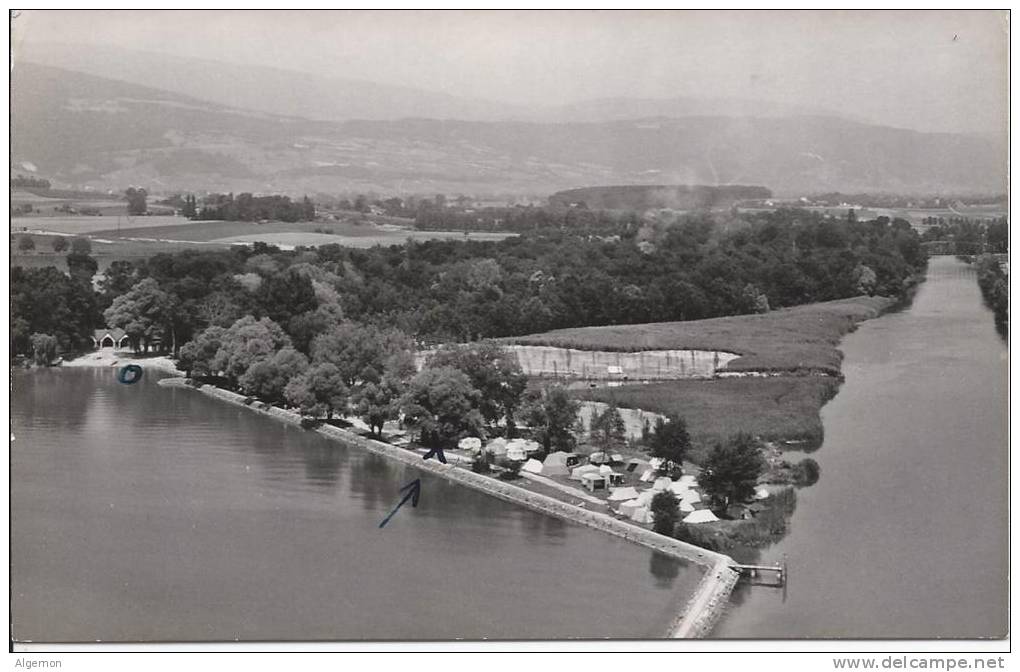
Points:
x=757, y=572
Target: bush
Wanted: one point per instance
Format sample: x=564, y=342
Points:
x=806, y=472
x=248, y=401
x=511, y=471
x=482, y=464
x=310, y=423
x=665, y=512
x=700, y=536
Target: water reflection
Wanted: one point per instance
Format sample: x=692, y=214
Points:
x=665, y=569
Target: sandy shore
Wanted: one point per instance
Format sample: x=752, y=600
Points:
x=110, y=358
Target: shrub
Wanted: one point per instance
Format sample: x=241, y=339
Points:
x=511, y=471
x=806, y=472
x=482, y=464
x=665, y=512
x=248, y=401
x=310, y=423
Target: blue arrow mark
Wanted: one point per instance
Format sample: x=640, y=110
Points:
x=413, y=493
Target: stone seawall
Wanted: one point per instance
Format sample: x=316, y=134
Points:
x=701, y=611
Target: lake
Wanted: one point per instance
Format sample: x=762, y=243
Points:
x=906, y=533
x=142, y=513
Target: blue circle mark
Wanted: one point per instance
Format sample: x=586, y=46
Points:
x=129, y=374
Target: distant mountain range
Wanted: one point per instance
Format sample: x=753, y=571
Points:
x=83, y=130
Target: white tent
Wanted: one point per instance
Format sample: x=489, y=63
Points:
x=577, y=472
x=528, y=447
x=761, y=493
x=472, y=443
x=594, y=481
x=532, y=467
x=516, y=453
x=636, y=465
x=556, y=464
x=700, y=516
x=686, y=507
x=497, y=447
x=648, y=475
x=689, y=480
x=662, y=483
x=645, y=498
x=678, y=488
x=621, y=494
x=616, y=458
x=641, y=515
x=691, y=497
x=605, y=470
x=628, y=508
x=598, y=458
x=655, y=462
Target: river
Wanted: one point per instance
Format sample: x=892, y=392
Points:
x=143, y=513
x=906, y=534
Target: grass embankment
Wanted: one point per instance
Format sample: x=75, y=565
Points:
x=802, y=339
x=790, y=344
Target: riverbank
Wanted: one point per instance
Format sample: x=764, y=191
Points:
x=110, y=358
x=699, y=613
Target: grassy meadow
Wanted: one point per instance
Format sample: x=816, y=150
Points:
x=781, y=408
x=795, y=340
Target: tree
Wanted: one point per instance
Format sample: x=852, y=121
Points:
x=731, y=471
x=82, y=267
x=245, y=342
x=665, y=512
x=608, y=431
x=320, y=390
x=136, y=199
x=26, y=243
x=81, y=245
x=442, y=405
x=59, y=244
x=361, y=352
x=670, y=441
x=197, y=355
x=44, y=349
x=494, y=371
x=267, y=378
x=378, y=402
x=46, y=301
x=552, y=414
x=145, y=313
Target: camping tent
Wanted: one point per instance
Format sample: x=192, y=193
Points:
x=648, y=475
x=532, y=467
x=686, y=507
x=621, y=494
x=598, y=458
x=761, y=493
x=629, y=507
x=497, y=447
x=636, y=466
x=516, y=453
x=594, y=481
x=645, y=498
x=700, y=516
x=472, y=443
x=577, y=472
x=678, y=488
x=662, y=483
x=605, y=469
x=655, y=462
x=691, y=497
x=641, y=515
x=556, y=464
x=529, y=447
x=616, y=458
x=689, y=480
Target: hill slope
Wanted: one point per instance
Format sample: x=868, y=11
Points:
x=82, y=130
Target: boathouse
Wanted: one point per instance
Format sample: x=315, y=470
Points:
x=109, y=338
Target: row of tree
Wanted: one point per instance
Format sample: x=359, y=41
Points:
x=994, y=283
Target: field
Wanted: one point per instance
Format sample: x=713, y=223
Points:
x=81, y=224
x=781, y=408
x=800, y=339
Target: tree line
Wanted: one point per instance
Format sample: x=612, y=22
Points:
x=994, y=284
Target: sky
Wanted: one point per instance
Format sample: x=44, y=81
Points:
x=928, y=70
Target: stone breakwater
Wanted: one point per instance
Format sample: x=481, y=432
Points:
x=700, y=612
